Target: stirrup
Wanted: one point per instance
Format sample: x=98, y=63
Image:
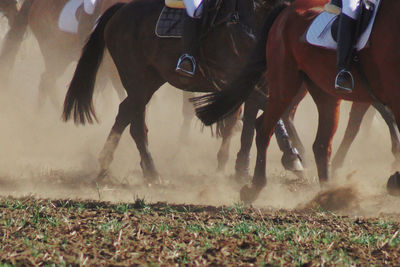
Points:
x=340, y=87
x=184, y=71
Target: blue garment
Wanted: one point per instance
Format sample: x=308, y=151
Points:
x=194, y=8
x=351, y=7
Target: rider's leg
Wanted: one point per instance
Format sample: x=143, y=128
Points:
x=346, y=35
x=190, y=39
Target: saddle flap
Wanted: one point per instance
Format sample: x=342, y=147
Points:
x=323, y=29
x=67, y=21
x=175, y=4
x=170, y=23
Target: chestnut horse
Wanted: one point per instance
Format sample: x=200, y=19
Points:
x=292, y=63
x=59, y=49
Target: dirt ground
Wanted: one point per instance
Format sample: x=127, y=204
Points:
x=43, y=159
x=40, y=232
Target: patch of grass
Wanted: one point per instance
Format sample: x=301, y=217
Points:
x=67, y=232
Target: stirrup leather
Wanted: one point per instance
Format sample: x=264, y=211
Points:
x=341, y=87
x=185, y=71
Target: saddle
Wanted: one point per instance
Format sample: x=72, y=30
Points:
x=324, y=28
x=171, y=20
x=68, y=21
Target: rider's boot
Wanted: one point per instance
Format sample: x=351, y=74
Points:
x=344, y=81
x=187, y=63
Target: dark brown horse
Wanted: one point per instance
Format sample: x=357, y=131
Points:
x=292, y=63
x=145, y=62
x=59, y=49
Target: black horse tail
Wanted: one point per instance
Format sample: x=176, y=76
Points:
x=79, y=98
x=13, y=39
x=213, y=107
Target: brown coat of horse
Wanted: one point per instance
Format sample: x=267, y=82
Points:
x=292, y=63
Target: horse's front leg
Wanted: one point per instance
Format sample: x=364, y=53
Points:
x=291, y=159
x=107, y=153
x=328, y=111
x=265, y=126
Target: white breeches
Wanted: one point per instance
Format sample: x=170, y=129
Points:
x=194, y=8
x=89, y=6
x=350, y=8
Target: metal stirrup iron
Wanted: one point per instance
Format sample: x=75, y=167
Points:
x=186, y=72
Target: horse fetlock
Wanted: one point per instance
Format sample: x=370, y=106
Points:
x=242, y=162
x=105, y=159
x=150, y=173
x=101, y=177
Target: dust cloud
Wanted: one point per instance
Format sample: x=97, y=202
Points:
x=41, y=155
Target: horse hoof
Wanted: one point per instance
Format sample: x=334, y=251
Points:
x=248, y=194
x=292, y=162
x=154, y=181
x=393, y=185
x=100, y=179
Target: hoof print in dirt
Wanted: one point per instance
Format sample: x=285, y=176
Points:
x=393, y=185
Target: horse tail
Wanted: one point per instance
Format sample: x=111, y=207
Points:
x=213, y=107
x=79, y=98
x=13, y=39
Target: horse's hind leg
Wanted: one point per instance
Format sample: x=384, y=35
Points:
x=328, y=111
x=246, y=139
x=357, y=113
x=140, y=90
x=188, y=114
x=394, y=132
x=121, y=122
x=225, y=130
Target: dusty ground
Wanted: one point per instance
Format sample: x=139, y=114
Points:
x=43, y=158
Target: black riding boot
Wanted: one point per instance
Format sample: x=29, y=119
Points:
x=186, y=63
x=344, y=79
